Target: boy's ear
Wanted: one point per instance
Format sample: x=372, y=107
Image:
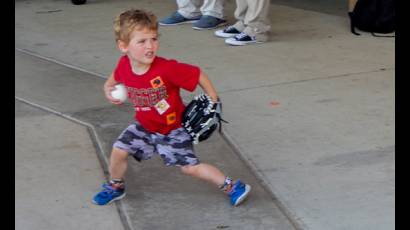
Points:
x=122, y=46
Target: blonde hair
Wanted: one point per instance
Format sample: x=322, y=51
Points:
x=126, y=22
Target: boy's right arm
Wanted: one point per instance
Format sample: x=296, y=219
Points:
x=108, y=87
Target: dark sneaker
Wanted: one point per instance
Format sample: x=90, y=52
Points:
x=108, y=195
x=241, y=39
x=228, y=32
x=239, y=192
x=208, y=22
x=176, y=19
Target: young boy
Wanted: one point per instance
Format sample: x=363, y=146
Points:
x=153, y=84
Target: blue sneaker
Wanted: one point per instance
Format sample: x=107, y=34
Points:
x=239, y=192
x=208, y=22
x=108, y=195
x=176, y=19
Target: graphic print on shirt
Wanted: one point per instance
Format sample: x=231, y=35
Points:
x=144, y=99
x=171, y=118
x=162, y=106
x=157, y=82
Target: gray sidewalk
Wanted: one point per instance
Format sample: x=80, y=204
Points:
x=158, y=197
x=311, y=112
x=56, y=172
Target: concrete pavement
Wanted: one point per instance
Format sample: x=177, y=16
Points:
x=56, y=172
x=315, y=119
x=158, y=197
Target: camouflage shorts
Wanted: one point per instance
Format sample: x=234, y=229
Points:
x=175, y=148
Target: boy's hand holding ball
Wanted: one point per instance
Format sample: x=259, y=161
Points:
x=116, y=94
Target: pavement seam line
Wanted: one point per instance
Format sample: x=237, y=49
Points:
x=293, y=219
x=94, y=138
x=29, y=52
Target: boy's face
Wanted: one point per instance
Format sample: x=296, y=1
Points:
x=142, y=47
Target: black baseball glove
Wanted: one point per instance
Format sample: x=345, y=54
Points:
x=202, y=117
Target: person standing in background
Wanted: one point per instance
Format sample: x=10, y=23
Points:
x=204, y=14
x=252, y=26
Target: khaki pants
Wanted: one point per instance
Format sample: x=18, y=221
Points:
x=195, y=8
x=253, y=18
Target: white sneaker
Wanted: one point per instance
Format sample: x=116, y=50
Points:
x=228, y=32
x=241, y=40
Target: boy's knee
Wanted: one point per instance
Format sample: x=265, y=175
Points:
x=119, y=153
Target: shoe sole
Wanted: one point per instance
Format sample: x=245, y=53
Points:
x=236, y=43
x=210, y=28
x=244, y=195
x=179, y=23
x=117, y=198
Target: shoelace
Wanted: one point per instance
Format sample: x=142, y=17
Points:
x=107, y=190
x=235, y=188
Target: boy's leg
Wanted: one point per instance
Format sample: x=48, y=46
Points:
x=205, y=172
x=115, y=188
x=118, y=163
x=134, y=141
x=237, y=191
x=177, y=149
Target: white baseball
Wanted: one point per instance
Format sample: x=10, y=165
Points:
x=119, y=93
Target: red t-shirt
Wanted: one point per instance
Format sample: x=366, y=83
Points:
x=156, y=94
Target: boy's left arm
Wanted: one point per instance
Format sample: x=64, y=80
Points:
x=207, y=86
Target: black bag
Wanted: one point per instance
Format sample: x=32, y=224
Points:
x=375, y=16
